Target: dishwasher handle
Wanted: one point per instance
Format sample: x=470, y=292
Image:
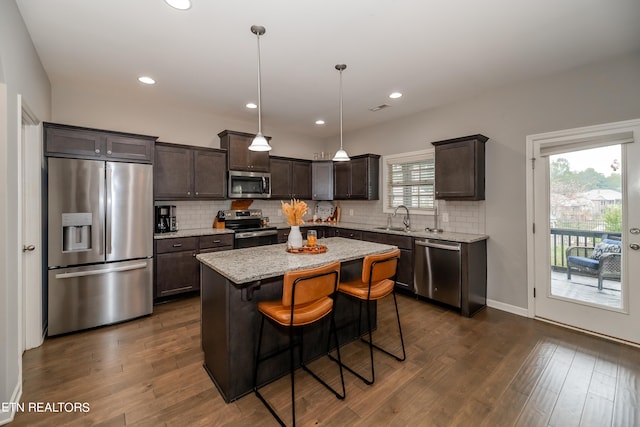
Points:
x=447, y=247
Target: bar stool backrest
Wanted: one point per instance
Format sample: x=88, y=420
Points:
x=380, y=266
x=310, y=284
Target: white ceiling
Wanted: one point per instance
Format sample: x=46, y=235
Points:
x=434, y=51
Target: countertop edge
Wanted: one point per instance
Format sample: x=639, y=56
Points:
x=445, y=235
x=192, y=232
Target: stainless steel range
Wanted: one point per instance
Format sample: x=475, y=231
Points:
x=248, y=228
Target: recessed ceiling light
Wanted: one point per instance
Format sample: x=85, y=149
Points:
x=179, y=4
x=395, y=95
x=251, y=105
x=319, y=122
x=146, y=80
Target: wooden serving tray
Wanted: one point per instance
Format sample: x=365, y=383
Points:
x=318, y=249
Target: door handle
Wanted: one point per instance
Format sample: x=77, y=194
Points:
x=109, y=189
x=28, y=248
x=634, y=246
x=105, y=271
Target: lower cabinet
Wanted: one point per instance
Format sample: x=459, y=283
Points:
x=283, y=235
x=404, y=281
x=348, y=233
x=177, y=271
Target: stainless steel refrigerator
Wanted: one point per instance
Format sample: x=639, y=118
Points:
x=100, y=243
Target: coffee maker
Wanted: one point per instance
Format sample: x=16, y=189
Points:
x=165, y=221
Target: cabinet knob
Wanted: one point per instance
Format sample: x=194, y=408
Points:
x=97, y=151
x=109, y=152
x=188, y=193
x=197, y=193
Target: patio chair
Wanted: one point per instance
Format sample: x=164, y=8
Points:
x=603, y=260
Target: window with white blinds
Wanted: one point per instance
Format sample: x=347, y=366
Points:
x=409, y=180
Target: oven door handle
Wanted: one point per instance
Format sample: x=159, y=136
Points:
x=248, y=234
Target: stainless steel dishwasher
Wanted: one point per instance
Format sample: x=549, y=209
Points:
x=438, y=271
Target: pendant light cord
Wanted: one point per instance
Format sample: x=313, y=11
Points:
x=259, y=90
x=341, y=108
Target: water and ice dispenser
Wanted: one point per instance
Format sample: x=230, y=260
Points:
x=76, y=231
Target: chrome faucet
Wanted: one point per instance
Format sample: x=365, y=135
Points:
x=406, y=220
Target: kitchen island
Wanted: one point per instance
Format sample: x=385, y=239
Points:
x=232, y=284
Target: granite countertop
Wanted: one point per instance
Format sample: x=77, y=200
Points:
x=417, y=233
x=193, y=232
x=262, y=262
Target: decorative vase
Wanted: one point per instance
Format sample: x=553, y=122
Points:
x=295, y=237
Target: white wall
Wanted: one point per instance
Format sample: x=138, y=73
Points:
x=137, y=109
x=599, y=93
x=22, y=73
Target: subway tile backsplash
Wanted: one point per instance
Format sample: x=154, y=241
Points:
x=463, y=217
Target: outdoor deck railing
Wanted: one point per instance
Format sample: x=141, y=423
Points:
x=562, y=238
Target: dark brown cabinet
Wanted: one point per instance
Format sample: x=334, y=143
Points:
x=473, y=280
x=357, y=178
x=84, y=143
x=348, y=233
x=322, y=180
x=239, y=157
x=215, y=243
x=460, y=168
x=177, y=271
x=210, y=174
x=404, y=279
x=283, y=235
x=185, y=172
x=290, y=178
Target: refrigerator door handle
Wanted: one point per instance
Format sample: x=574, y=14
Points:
x=109, y=191
x=101, y=231
x=96, y=272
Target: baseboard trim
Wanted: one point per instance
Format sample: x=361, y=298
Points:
x=7, y=417
x=514, y=309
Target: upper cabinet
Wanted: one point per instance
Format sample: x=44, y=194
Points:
x=84, y=143
x=322, y=185
x=357, y=178
x=290, y=178
x=239, y=157
x=460, y=167
x=186, y=172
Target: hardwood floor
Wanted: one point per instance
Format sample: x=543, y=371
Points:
x=495, y=369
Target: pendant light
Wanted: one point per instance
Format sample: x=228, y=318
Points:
x=259, y=143
x=341, y=155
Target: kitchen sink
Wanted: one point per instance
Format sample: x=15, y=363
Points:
x=393, y=229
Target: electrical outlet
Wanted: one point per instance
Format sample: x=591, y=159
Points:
x=445, y=217
x=350, y=212
x=279, y=212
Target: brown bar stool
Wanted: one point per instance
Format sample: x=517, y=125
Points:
x=307, y=296
x=378, y=281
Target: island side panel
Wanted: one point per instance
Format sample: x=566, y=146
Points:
x=215, y=328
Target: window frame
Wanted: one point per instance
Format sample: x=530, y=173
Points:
x=397, y=158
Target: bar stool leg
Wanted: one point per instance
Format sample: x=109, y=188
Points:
x=255, y=379
x=404, y=355
x=372, y=345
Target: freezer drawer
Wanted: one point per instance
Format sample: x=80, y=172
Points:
x=96, y=295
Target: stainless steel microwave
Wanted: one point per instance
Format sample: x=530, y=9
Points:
x=249, y=185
